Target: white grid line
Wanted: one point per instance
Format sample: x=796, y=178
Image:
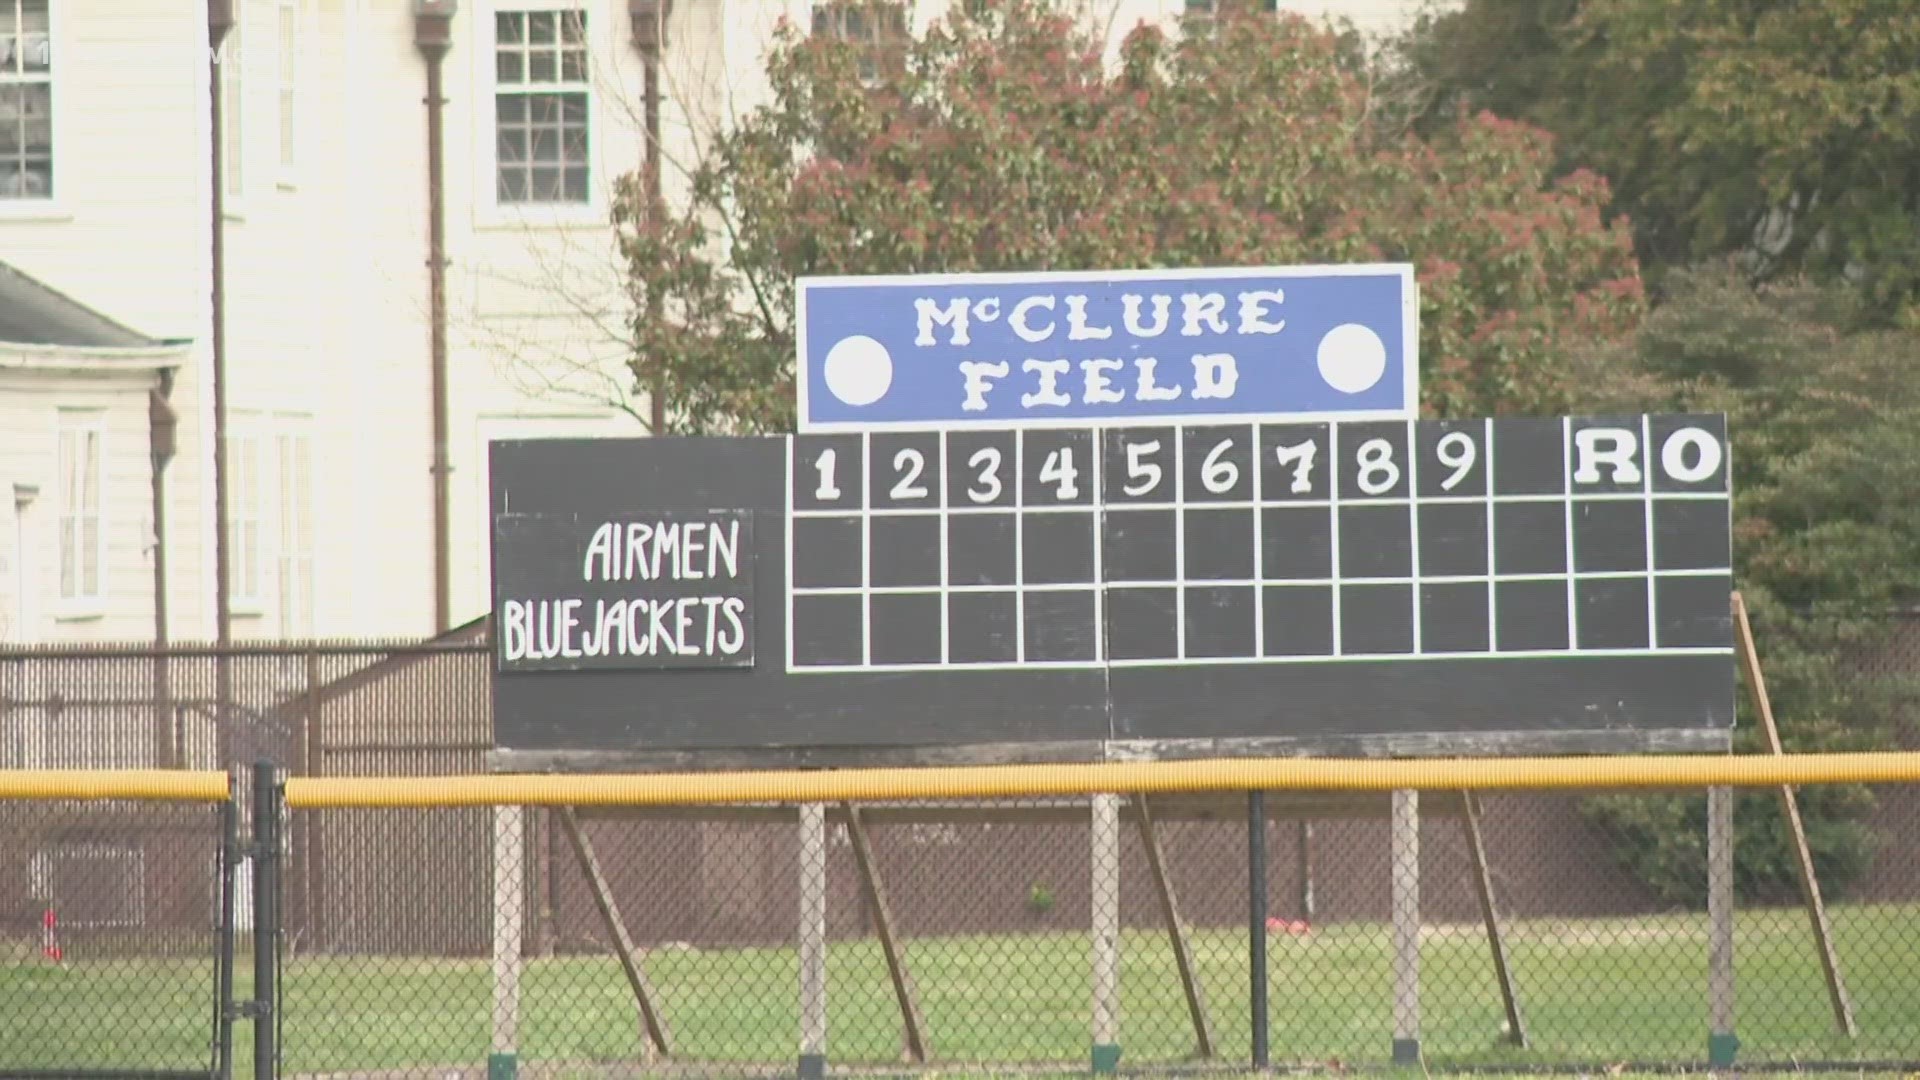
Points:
x=1333, y=530
x=1179, y=460
x=1150, y=661
x=1493, y=624
x=946, y=569
x=1259, y=560
x=1245, y=583
x=1096, y=478
x=1413, y=528
x=1281, y=504
x=1566, y=477
x=793, y=481
x=1018, y=478
x=866, y=548
x=1646, y=483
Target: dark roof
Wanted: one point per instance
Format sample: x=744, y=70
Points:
x=32, y=313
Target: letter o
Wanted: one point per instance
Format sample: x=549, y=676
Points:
x=1673, y=455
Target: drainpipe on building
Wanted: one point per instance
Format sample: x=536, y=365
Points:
x=433, y=37
x=649, y=19
x=162, y=426
x=219, y=21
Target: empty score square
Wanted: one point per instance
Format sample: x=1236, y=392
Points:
x=1453, y=617
x=1693, y=612
x=1297, y=620
x=981, y=628
x=1530, y=538
x=827, y=553
x=827, y=630
x=1376, y=619
x=980, y=549
x=1609, y=535
x=1376, y=542
x=1061, y=625
x=1296, y=544
x=1138, y=545
x=1141, y=623
x=1691, y=534
x=1220, y=621
x=1057, y=547
x=906, y=550
x=906, y=628
x=1218, y=544
x=1611, y=613
x=1453, y=540
x=1530, y=616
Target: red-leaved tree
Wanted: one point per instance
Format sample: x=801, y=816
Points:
x=1002, y=141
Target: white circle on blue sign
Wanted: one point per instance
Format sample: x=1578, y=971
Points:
x=1352, y=358
x=858, y=370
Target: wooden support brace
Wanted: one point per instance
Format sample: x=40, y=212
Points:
x=913, y=1028
x=1809, y=880
x=1483, y=886
x=1176, y=929
x=623, y=947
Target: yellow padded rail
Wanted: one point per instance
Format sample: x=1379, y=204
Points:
x=1147, y=778
x=147, y=785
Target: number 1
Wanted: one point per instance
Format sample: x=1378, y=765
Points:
x=827, y=491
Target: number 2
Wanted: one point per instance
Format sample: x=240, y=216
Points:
x=909, y=464
x=828, y=490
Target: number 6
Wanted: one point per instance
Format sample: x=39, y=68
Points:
x=1218, y=474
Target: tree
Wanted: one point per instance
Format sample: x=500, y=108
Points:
x=1825, y=428
x=1002, y=141
x=1784, y=131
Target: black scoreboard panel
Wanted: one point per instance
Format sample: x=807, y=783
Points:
x=1168, y=581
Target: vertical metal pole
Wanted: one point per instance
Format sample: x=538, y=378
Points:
x=813, y=941
x=1405, y=844
x=509, y=824
x=223, y=957
x=1257, y=922
x=1104, y=886
x=266, y=920
x=1722, y=1043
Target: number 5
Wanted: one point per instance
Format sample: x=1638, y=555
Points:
x=1139, y=468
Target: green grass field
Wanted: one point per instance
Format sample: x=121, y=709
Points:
x=1591, y=991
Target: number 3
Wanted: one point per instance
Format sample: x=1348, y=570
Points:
x=987, y=461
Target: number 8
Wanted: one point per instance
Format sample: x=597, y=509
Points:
x=1377, y=469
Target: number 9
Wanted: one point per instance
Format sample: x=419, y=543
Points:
x=1457, y=452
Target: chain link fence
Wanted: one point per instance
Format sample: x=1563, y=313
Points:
x=959, y=938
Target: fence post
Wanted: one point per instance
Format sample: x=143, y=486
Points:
x=230, y=856
x=1722, y=1043
x=267, y=795
x=813, y=941
x=1105, y=889
x=1257, y=924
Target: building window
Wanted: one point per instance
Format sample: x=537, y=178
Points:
x=83, y=546
x=877, y=28
x=540, y=106
x=295, y=562
x=233, y=75
x=289, y=40
x=26, y=100
x=243, y=521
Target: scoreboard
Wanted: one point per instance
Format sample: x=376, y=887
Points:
x=1126, y=573
x=1083, y=586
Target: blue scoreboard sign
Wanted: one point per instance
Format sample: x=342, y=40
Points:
x=1110, y=347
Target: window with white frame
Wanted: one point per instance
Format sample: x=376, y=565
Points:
x=877, y=28
x=540, y=101
x=26, y=100
x=294, y=564
x=232, y=100
x=244, y=506
x=289, y=41
x=82, y=473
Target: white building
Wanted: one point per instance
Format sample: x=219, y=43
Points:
x=106, y=291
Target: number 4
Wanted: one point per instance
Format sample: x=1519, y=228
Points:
x=1058, y=469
